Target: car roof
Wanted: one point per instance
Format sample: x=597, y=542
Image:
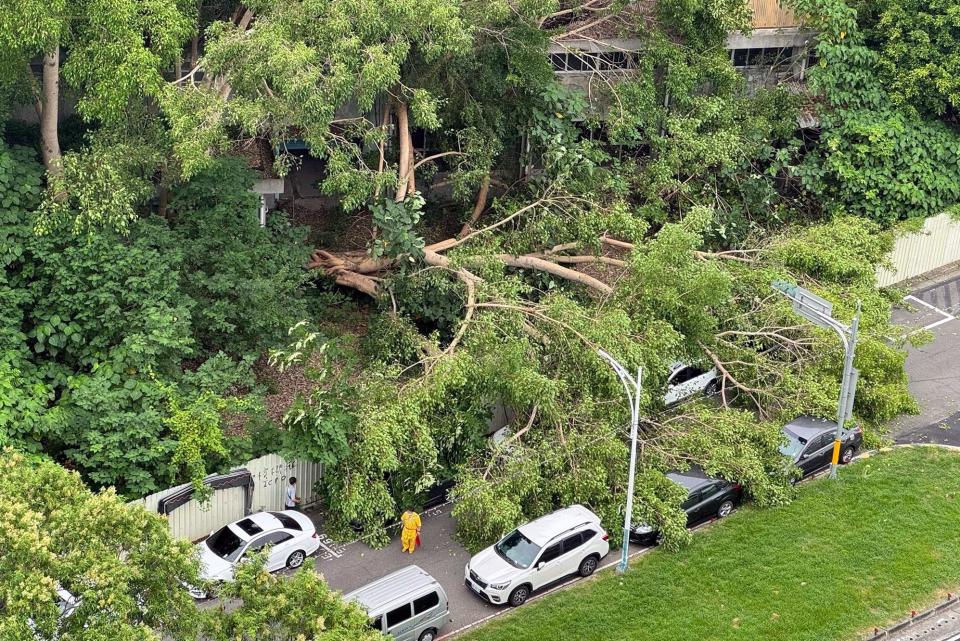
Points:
x=264, y=520
x=542, y=530
x=807, y=427
x=692, y=479
x=393, y=589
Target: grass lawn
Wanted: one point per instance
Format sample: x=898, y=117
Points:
x=843, y=557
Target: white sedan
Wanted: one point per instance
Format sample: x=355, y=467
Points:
x=685, y=380
x=291, y=536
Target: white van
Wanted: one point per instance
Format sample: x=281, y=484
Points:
x=408, y=605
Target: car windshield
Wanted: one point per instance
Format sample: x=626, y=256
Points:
x=517, y=550
x=225, y=544
x=793, y=446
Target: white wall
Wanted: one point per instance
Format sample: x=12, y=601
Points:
x=936, y=245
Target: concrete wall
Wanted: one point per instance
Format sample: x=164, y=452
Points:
x=936, y=245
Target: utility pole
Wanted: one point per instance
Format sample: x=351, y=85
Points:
x=632, y=389
x=820, y=312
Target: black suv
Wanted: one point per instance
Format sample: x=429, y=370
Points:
x=809, y=443
x=707, y=498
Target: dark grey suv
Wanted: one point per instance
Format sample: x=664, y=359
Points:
x=809, y=443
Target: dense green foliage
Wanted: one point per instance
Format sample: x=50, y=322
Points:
x=766, y=574
x=129, y=349
x=302, y=606
x=97, y=330
x=919, y=51
x=879, y=154
x=120, y=562
x=127, y=576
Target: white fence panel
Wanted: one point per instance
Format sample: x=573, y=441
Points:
x=194, y=520
x=936, y=245
x=271, y=474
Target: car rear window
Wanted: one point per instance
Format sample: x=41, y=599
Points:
x=248, y=526
x=224, y=543
x=287, y=521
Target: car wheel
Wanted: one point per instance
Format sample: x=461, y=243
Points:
x=588, y=566
x=725, y=509
x=296, y=559
x=428, y=635
x=713, y=387
x=846, y=455
x=519, y=596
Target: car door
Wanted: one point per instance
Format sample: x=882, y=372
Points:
x=692, y=507
x=816, y=454
x=549, y=566
x=281, y=548
x=257, y=544
x=683, y=383
x=400, y=623
x=707, y=503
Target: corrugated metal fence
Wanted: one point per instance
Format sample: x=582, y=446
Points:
x=936, y=245
x=270, y=476
x=769, y=14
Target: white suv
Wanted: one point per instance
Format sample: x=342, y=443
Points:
x=537, y=554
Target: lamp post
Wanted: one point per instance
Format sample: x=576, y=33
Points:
x=820, y=312
x=632, y=389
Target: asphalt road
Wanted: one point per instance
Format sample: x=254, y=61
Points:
x=352, y=565
x=933, y=370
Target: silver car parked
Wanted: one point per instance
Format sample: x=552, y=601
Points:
x=408, y=605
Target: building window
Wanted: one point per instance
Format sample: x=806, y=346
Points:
x=586, y=62
x=762, y=57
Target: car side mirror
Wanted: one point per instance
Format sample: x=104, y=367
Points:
x=540, y=565
x=805, y=455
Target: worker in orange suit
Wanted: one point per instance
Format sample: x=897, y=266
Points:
x=411, y=530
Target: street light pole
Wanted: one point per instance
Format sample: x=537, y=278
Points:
x=819, y=312
x=632, y=389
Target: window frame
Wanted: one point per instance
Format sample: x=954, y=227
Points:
x=547, y=549
x=409, y=616
x=435, y=601
x=563, y=543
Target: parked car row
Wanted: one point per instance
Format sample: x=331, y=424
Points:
x=410, y=605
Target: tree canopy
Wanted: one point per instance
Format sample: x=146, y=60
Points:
x=483, y=228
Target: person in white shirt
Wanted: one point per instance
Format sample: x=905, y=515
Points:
x=292, y=501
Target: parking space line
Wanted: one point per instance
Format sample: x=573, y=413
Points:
x=947, y=317
x=330, y=551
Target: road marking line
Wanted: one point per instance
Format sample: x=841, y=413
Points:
x=332, y=553
x=946, y=316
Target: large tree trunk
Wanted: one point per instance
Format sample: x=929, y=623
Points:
x=405, y=169
x=49, y=113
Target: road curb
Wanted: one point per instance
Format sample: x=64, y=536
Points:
x=884, y=633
